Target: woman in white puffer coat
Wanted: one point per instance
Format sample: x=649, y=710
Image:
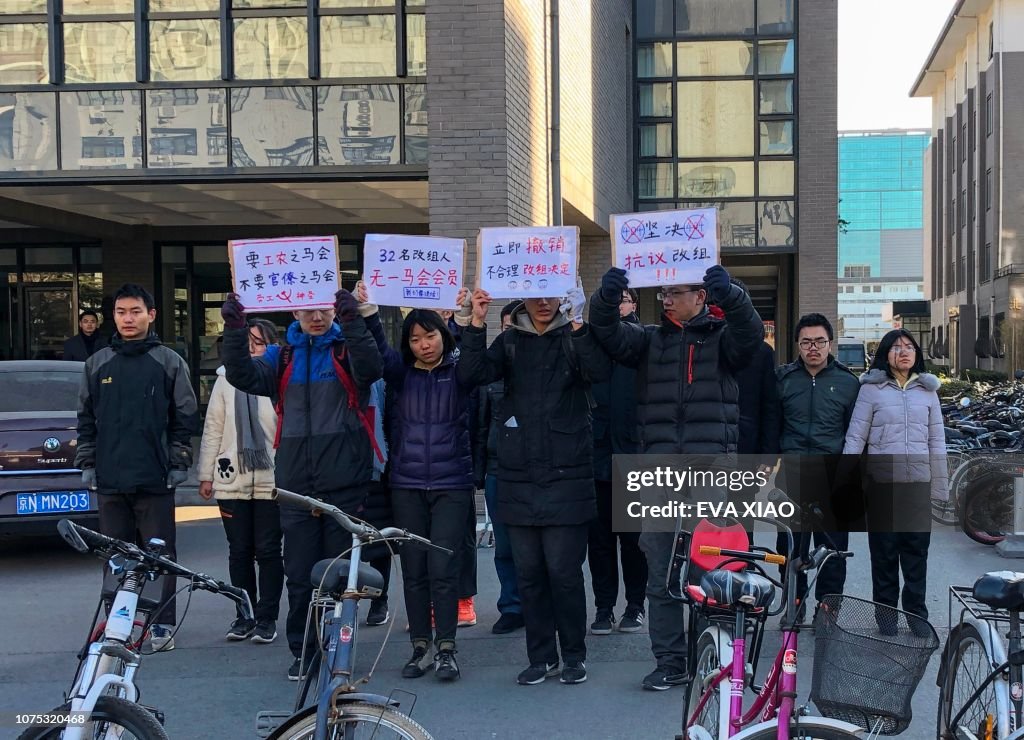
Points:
x=236, y=465
x=898, y=420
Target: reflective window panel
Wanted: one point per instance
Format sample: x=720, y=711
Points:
x=655, y=180
x=775, y=223
x=186, y=128
x=101, y=129
x=99, y=52
x=271, y=48
x=716, y=179
x=242, y=4
x=775, y=178
x=714, y=17
x=654, y=60
x=28, y=135
x=653, y=18
x=715, y=59
x=360, y=3
x=164, y=6
x=18, y=7
x=24, y=56
x=272, y=127
x=775, y=16
x=416, y=124
x=656, y=99
x=416, y=45
x=716, y=119
x=736, y=219
x=359, y=125
x=775, y=57
x=92, y=7
x=357, y=46
x=776, y=96
x=776, y=137
x=656, y=140
x=184, y=50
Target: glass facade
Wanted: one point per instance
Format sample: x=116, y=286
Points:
x=716, y=107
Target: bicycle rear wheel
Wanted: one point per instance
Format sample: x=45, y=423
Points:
x=808, y=729
x=988, y=508
x=708, y=665
x=358, y=721
x=967, y=667
x=112, y=717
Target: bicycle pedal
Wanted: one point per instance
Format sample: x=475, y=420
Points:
x=268, y=721
x=155, y=712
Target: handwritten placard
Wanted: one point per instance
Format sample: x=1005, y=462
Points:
x=665, y=247
x=413, y=271
x=531, y=262
x=285, y=274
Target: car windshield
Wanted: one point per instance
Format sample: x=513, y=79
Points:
x=851, y=355
x=39, y=390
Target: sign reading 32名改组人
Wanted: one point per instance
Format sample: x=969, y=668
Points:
x=665, y=247
x=285, y=274
x=413, y=271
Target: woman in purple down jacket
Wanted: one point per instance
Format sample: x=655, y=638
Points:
x=898, y=420
x=431, y=475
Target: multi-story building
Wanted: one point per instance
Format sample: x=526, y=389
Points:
x=974, y=227
x=882, y=237
x=138, y=136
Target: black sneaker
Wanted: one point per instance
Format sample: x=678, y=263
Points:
x=632, y=620
x=603, y=622
x=241, y=629
x=445, y=667
x=661, y=679
x=575, y=671
x=265, y=631
x=414, y=668
x=378, y=613
x=508, y=623
x=537, y=672
x=297, y=671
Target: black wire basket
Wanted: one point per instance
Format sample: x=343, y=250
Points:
x=868, y=660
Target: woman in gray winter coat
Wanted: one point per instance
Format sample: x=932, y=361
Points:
x=898, y=420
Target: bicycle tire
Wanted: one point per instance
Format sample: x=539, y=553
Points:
x=987, y=501
x=708, y=662
x=301, y=726
x=113, y=711
x=954, y=690
x=808, y=729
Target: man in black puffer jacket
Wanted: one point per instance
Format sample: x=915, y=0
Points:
x=697, y=413
x=547, y=358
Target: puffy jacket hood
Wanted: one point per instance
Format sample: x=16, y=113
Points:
x=222, y=371
x=521, y=320
x=880, y=377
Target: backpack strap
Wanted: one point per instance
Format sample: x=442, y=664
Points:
x=338, y=357
x=574, y=365
x=284, y=376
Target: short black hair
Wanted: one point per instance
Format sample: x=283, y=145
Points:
x=134, y=290
x=88, y=312
x=428, y=320
x=267, y=330
x=508, y=308
x=814, y=319
x=881, y=359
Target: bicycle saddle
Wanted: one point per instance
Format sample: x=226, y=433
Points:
x=331, y=576
x=730, y=589
x=1002, y=589
x=970, y=431
x=952, y=434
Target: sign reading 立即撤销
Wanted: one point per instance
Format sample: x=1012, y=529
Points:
x=665, y=247
x=413, y=271
x=285, y=274
x=528, y=262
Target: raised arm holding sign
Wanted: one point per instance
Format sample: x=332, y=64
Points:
x=665, y=247
x=413, y=271
x=529, y=262
x=286, y=274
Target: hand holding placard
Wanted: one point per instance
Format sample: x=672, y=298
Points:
x=481, y=302
x=665, y=247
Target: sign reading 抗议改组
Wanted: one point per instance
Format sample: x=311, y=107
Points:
x=413, y=271
x=665, y=247
x=285, y=274
x=528, y=262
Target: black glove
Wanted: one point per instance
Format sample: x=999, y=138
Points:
x=613, y=284
x=346, y=307
x=176, y=477
x=233, y=313
x=89, y=478
x=716, y=283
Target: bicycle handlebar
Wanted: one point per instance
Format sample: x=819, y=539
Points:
x=768, y=557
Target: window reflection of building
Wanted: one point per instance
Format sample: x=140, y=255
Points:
x=99, y=52
x=359, y=124
x=90, y=116
x=185, y=49
x=28, y=139
x=271, y=126
x=416, y=124
x=271, y=48
x=357, y=46
x=177, y=120
x=776, y=224
x=24, y=54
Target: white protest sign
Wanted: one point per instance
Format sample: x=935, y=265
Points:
x=665, y=247
x=530, y=262
x=285, y=274
x=413, y=271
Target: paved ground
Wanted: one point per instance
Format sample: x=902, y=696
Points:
x=209, y=688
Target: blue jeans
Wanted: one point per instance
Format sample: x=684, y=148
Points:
x=504, y=565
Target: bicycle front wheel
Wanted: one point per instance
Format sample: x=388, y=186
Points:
x=708, y=665
x=809, y=729
x=358, y=721
x=967, y=667
x=112, y=717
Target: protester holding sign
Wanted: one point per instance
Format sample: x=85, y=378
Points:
x=697, y=413
x=325, y=440
x=431, y=475
x=548, y=358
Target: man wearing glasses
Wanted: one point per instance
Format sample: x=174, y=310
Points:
x=687, y=403
x=816, y=396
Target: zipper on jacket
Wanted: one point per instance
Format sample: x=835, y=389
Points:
x=309, y=416
x=810, y=416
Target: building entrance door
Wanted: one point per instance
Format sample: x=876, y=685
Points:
x=51, y=320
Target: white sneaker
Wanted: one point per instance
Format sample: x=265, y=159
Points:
x=160, y=638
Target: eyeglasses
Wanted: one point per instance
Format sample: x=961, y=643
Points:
x=815, y=343
x=672, y=295
x=902, y=349
x=629, y=300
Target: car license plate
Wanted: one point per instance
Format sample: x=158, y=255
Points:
x=53, y=502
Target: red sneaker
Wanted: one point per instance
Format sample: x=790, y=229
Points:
x=467, y=614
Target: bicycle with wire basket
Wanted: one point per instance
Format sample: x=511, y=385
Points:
x=862, y=681
x=341, y=710
x=981, y=679
x=104, y=689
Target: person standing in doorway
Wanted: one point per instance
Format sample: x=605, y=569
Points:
x=87, y=341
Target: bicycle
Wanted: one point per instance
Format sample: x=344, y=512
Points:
x=340, y=710
x=734, y=596
x=981, y=678
x=104, y=692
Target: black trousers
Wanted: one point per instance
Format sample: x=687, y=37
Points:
x=467, y=567
x=139, y=517
x=603, y=556
x=549, y=568
x=307, y=540
x=383, y=566
x=832, y=576
x=892, y=552
x=429, y=576
x=253, y=529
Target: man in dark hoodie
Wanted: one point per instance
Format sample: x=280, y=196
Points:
x=688, y=403
x=325, y=439
x=137, y=415
x=548, y=358
x=87, y=341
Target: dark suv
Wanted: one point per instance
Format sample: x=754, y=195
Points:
x=39, y=483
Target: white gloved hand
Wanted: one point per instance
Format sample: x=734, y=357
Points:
x=365, y=308
x=574, y=303
x=464, y=316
